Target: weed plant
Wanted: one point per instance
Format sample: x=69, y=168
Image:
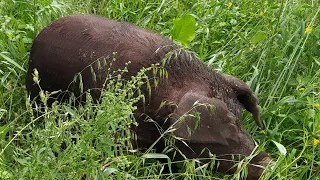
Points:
x=274, y=45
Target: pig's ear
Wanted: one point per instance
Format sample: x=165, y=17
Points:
x=203, y=120
x=246, y=97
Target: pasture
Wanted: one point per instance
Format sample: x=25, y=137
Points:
x=274, y=46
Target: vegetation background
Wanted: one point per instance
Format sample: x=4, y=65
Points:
x=274, y=45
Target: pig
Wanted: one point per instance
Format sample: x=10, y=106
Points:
x=74, y=44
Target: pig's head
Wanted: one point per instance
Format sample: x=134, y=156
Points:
x=205, y=122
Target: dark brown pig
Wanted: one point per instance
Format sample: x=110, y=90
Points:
x=71, y=45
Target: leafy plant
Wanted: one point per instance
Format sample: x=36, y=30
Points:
x=273, y=45
x=183, y=29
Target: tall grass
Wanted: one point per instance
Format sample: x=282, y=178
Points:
x=273, y=45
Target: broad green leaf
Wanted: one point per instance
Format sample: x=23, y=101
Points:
x=71, y=111
x=184, y=29
x=109, y=170
x=12, y=62
x=287, y=100
x=5, y=175
x=3, y=129
x=280, y=147
x=315, y=59
x=155, y=156
x=158, y=156
x=22, y=161
x=258, y=37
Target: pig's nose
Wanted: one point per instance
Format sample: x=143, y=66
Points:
x=258, y=164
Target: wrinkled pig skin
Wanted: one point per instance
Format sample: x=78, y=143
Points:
x=71, y=44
